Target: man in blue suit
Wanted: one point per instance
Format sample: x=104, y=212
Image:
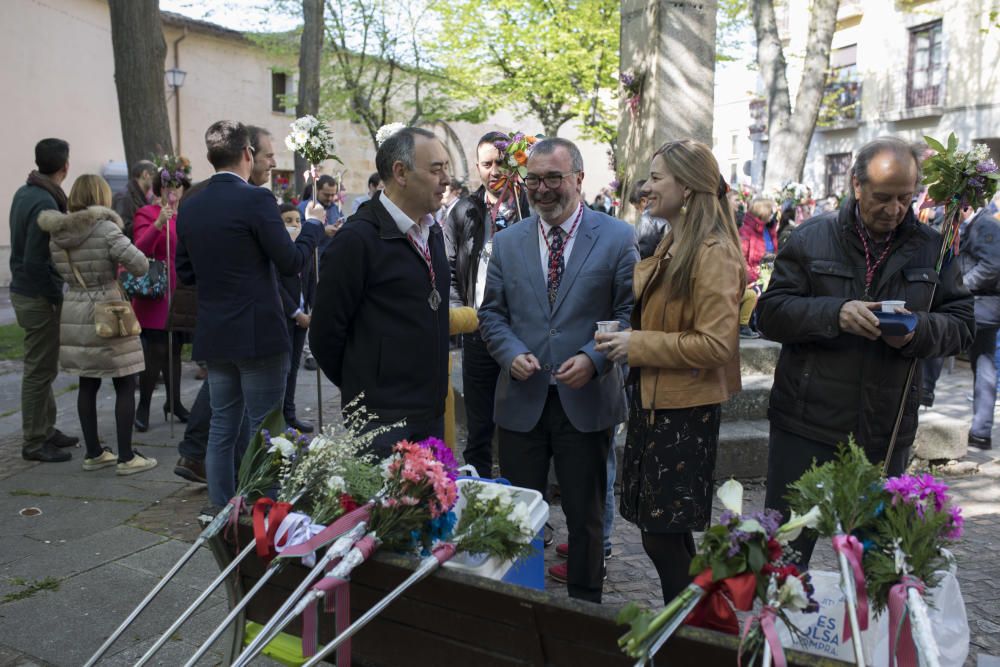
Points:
x=231, y=239
x=551, y=279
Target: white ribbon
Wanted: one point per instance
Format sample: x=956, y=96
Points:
x=297, y=528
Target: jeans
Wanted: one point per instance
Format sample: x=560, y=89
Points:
x=479, y=385
x=251, y=387
x=40, y=320
x=195, y=442
x=297, y=340
x=931, y=369
x=982, y=358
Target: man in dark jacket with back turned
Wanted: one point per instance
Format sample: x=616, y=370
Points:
x=231, y=240
x=838, y=374
x=469, y=231
x=36, y=294
x=380, y=327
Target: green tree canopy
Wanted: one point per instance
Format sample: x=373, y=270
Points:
x=555, y=60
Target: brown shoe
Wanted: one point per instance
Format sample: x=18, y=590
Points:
x=191, y=470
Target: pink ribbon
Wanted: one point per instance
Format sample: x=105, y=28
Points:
x=239, y=503
x=339, y=603
x=899, y=623
x=853, y=551
x=330, y=533
x=766, y=619
x=443, y=552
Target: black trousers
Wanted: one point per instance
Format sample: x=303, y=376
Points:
x=788, y=457
x=297, y=340
x=581, y=464
x=414, y=430
x=479, y=386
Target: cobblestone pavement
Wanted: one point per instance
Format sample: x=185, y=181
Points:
x=101, y=542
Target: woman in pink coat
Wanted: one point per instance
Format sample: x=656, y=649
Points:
x=152, y=224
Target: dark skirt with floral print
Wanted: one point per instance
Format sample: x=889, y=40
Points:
x=668, y=466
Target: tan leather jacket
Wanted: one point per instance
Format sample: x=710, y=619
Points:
x=687, y=353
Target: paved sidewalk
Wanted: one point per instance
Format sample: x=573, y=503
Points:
x=70, y=572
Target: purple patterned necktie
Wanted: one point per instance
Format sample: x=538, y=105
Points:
x=556, y=264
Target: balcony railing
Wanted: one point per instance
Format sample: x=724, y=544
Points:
x=841, y=104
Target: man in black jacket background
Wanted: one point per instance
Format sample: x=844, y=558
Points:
x=838, y=374
x=380, y=326
x=469, y=230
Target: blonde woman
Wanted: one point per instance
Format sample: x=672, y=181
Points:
x=90, y=239
x=684, y=352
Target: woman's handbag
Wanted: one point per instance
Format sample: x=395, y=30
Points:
x=153, y=285
x=112, y=319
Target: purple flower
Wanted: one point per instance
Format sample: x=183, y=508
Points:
x=904, y=488
x=957, y=522
x=164, y=175
x=932, y=487
x=502, y=145
x=736, y=540
x=727, y=517
x=769, y=520
x=627, y=79
x=442, y=453
x=976, y=182
x=986, y=166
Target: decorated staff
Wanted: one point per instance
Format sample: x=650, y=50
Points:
x=311, y=138
x=956, y=179
x=514, y=167
x=258, y=474
x=734, y=564
x=492, y=523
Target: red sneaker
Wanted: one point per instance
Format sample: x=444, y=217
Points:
x=562, y=550
x=560, y=572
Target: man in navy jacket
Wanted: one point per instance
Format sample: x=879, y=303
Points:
x=380, y=327
x=231, y=243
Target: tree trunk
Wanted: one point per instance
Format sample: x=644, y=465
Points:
x=310, y=49
x=139, y=52
x=789, y=133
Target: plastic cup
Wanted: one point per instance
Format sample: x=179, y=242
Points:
x=891, y=306
x=608, y=326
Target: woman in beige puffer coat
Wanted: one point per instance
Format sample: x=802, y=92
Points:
x=90, y=238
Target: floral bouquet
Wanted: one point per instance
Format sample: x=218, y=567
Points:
x=848, y=493
x=632, y=83
x=513, y=163
x=956, y=179
x=784, y=589
x=173, y=170
x=729, y=572
x=492, y=523
x=311, y=138
x=917, y=522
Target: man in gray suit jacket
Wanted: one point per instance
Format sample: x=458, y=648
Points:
x=550, y=280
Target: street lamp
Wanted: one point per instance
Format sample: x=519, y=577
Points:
x=175, y=77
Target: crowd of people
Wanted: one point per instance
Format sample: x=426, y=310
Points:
x=584, y=322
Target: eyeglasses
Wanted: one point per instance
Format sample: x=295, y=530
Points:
x=552, y=181
x=251, y=149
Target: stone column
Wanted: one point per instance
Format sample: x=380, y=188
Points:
x=671, y=45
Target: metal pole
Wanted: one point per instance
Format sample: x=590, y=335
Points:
x=319, y=373
x=247, y=550
x=170, y=339
x=426, y=567
x=281, y=618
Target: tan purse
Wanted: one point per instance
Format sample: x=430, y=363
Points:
x=112, y=319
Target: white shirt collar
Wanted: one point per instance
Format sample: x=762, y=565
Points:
x=403, y=221
x=232, y=173
x=566, y=225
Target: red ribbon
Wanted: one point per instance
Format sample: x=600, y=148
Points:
x=853, y=551
x=766, y=618
x=899, y=623
x=263, y=532
x=717, y=608
x=339, y=603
